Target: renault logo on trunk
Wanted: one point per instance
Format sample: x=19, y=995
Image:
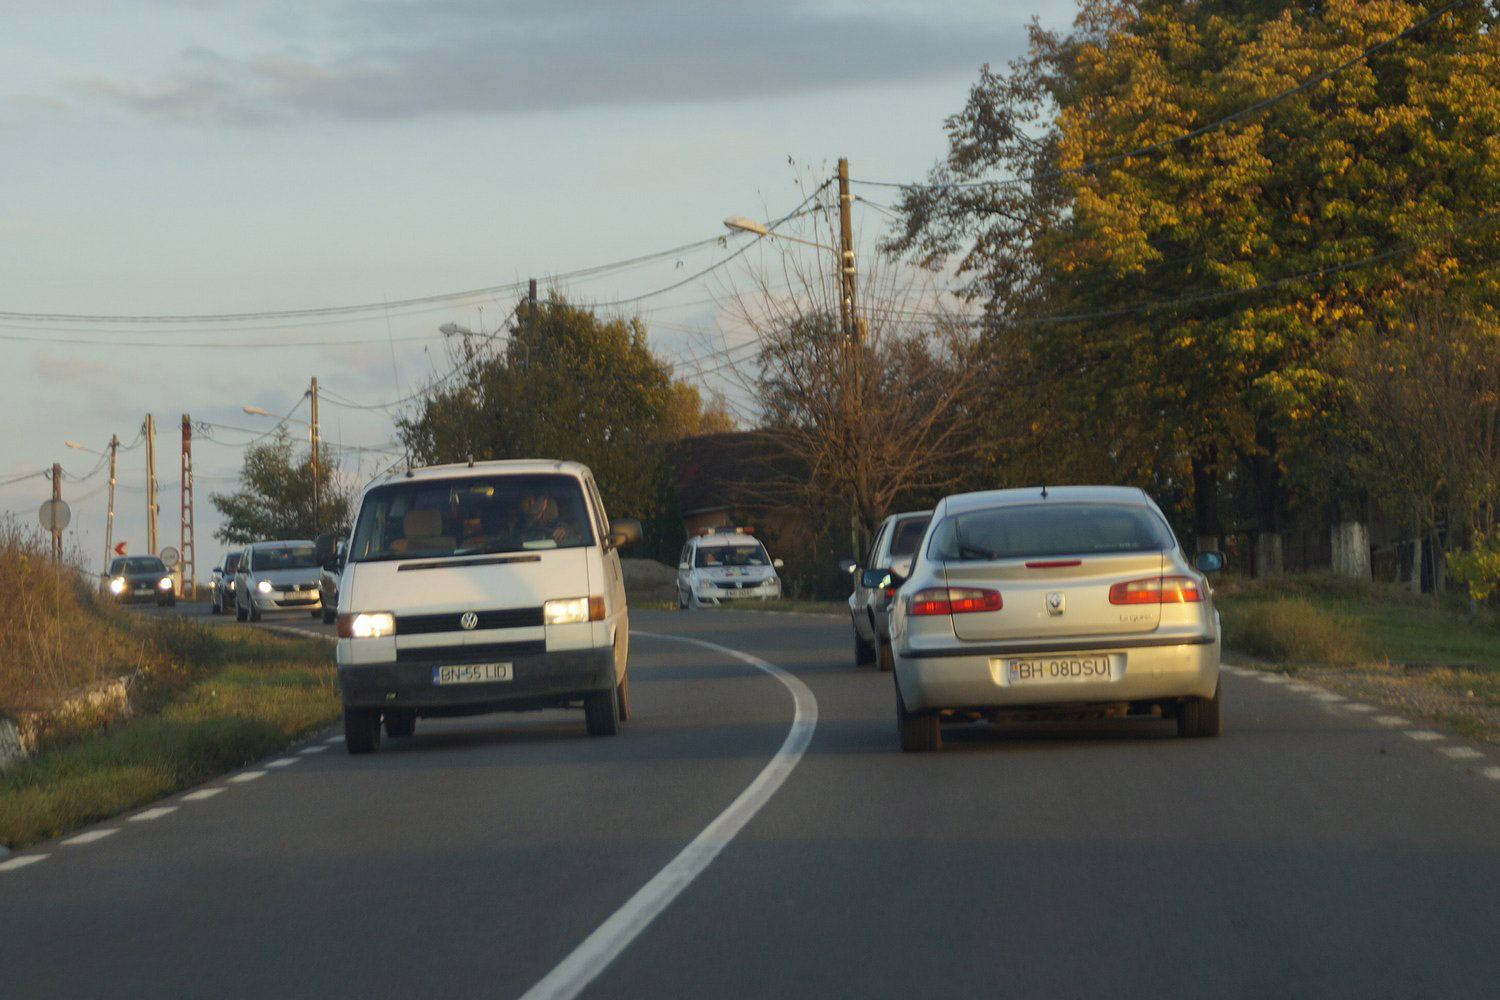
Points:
x=1056, y=603
x=469, y=620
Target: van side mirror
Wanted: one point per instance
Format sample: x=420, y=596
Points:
x=1209, y=562
x=623, y=531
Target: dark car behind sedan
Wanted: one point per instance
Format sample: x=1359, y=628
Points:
x=140, y=578
x=221, y=584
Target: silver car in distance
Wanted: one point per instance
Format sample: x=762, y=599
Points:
x=1054, y=601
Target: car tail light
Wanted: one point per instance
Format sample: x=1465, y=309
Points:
x=954, y=601
x=1157, y=590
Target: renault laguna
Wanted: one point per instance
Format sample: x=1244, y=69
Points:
x=1060, y=601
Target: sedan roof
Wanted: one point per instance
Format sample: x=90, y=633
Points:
x=961, y=502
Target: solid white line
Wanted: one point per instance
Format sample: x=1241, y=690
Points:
x=151, y=814
x=247, y=776
x=22, y=862
x=1461, y=753
x=603, y=946
x=1424, y=735
x=1359, y=707
x=90, y=837
x=201, y=794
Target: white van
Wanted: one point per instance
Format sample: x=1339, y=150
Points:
x=483, y=587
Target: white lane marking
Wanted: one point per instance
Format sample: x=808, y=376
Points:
x=1329, y=697
x=247, y=776
x=1391, y=720
x=283, y=762
x=1358, y=706
x=90, y=837
x=311, y=750
x=334, y=739
x=1302, y=688
x=1493, y=773
x=201, y=794
x=1272, y=679
x=1461, y=753
x=602, y=947
x=1424, y=735
x=21, y=862
x=150, y=814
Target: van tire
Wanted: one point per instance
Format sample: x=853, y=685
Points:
x=361, y=729
x=601, y=712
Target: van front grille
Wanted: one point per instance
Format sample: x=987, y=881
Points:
x=452, y=621
x=472, y=654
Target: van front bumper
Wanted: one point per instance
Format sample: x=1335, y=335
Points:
x=538, y=680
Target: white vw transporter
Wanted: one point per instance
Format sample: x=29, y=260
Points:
x=490, y=586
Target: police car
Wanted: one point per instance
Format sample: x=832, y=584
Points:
x=725, y=564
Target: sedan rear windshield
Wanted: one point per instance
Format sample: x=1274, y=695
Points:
x=285, y=557
x=1049, y=530
x=494, y=513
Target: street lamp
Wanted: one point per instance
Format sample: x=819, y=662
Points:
x=845, y=260
x=312, y=442
x=109, y=518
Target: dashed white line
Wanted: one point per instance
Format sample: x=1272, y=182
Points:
x=1391, y=720
x=1272, y=679
x=1461, y=753
x=150, y=814
x=1493, y=773
x=90, y=837
x=283, y=762
x=1424, y=735
x=21, y=862
x=201, y=794
x=1357, y=706
x=311, y=750
x=1302, y=688
x=245, y=776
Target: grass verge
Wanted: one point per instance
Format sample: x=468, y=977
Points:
x=244, y=695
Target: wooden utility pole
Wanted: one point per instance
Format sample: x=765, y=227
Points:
x=847, y=314
x=312, y=438
x=151, y=505
x=109, y=518
x=56, y=507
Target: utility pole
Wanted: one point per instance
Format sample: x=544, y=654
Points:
x=847, y=314
x=530, y=317
x=109, y=518
x=151, y=505
x=187, y=568
x=312, y=439
x=56, y=507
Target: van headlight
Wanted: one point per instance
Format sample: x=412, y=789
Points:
x=372, y=625
x=567, y=611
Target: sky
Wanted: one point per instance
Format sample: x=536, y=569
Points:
x=205, y=204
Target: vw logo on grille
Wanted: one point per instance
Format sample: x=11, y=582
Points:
x=469, y=620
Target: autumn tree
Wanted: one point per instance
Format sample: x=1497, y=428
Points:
x=565, y=384
x=1177, y=212
x=276, y=499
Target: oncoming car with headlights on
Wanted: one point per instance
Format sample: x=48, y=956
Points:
x=723, y=565
x=483, y=587
x=141, y=579
x=1062, y=601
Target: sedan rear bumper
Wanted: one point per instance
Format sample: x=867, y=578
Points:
x=979, y=679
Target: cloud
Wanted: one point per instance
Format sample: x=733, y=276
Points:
x=461, y=57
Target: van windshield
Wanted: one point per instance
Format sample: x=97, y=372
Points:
x=463, y=516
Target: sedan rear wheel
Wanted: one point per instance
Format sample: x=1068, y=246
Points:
x=1199, y=716
x=361, y=729
x=921, y=732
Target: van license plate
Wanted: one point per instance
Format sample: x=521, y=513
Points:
x=473, y=673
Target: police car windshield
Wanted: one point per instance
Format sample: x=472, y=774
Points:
x=731, y=555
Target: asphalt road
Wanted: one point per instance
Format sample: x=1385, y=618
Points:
x=1316, y=849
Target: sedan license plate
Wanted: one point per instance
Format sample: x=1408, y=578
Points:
x=1058, y=669
x=472, y=673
